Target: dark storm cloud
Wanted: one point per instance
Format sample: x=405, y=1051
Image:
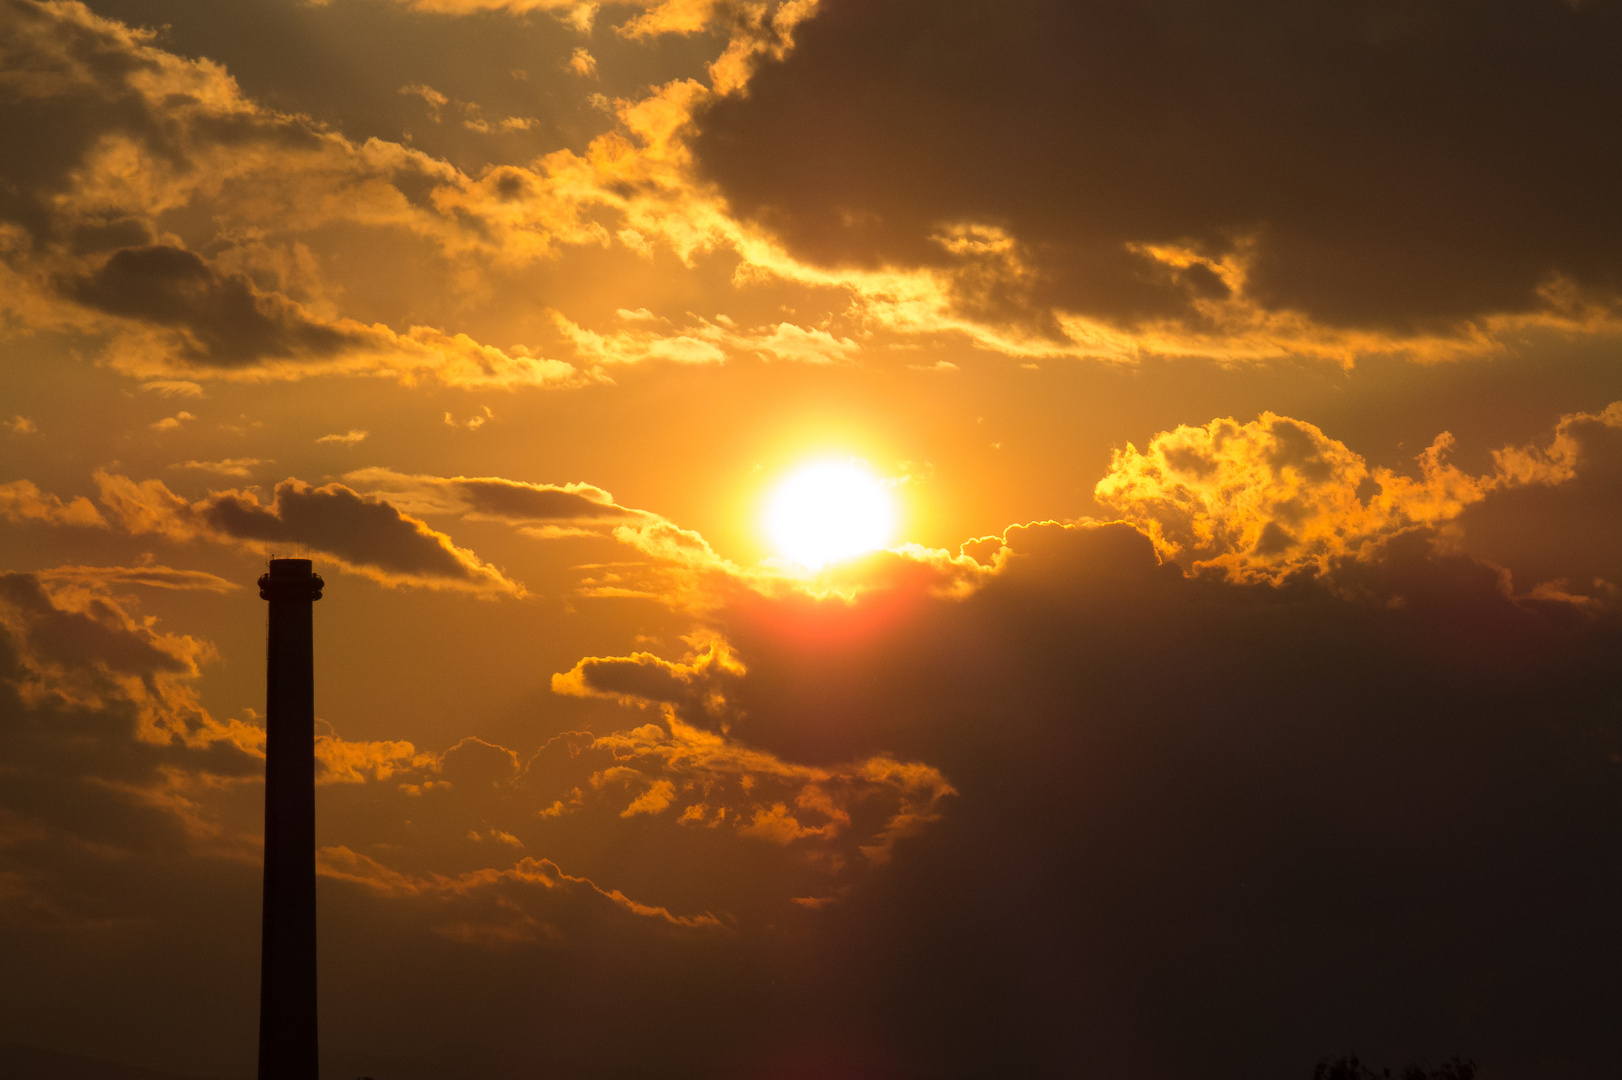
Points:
x=1396, y=165
x=1217, y=830
x=1198, y=828
x=223, y=320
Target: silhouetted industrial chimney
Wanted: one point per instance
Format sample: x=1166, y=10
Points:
x=287, y=1027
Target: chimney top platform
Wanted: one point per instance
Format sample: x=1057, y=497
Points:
x=290, y=579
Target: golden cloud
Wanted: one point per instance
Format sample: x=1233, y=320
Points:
x=521, y=898
x=1264, y=499
x=22, y=500
x=697, y=759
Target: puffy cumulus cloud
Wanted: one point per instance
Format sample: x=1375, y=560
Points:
x=582, y=63
x=1293, y=178
x=365, y=535
x=1274, y=496
x=494, y=498
x=1268, y=497
x=22, y=500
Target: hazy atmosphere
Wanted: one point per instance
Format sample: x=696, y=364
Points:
x=863, y=539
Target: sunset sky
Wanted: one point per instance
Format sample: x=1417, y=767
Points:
x=863, y=538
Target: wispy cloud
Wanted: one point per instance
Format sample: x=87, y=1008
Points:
x=155, y=576
x=235, y=467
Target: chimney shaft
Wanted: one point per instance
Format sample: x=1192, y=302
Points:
x=287, y=1019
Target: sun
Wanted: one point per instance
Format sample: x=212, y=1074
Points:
x=828, y=511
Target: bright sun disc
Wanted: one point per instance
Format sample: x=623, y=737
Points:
x=828, y=511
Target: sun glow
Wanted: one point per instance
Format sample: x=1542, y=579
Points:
x=828, y=511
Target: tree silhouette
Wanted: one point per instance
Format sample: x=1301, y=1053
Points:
x=1350, y=1068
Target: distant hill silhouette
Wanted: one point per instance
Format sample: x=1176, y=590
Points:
x=19, y=1062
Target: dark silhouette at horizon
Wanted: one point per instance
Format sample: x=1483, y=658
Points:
x=288, y=1046
x=1350, y=1068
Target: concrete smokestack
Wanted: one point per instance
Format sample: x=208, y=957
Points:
x=287, y=1025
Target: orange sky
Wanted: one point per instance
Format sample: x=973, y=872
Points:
x=1238, y=692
